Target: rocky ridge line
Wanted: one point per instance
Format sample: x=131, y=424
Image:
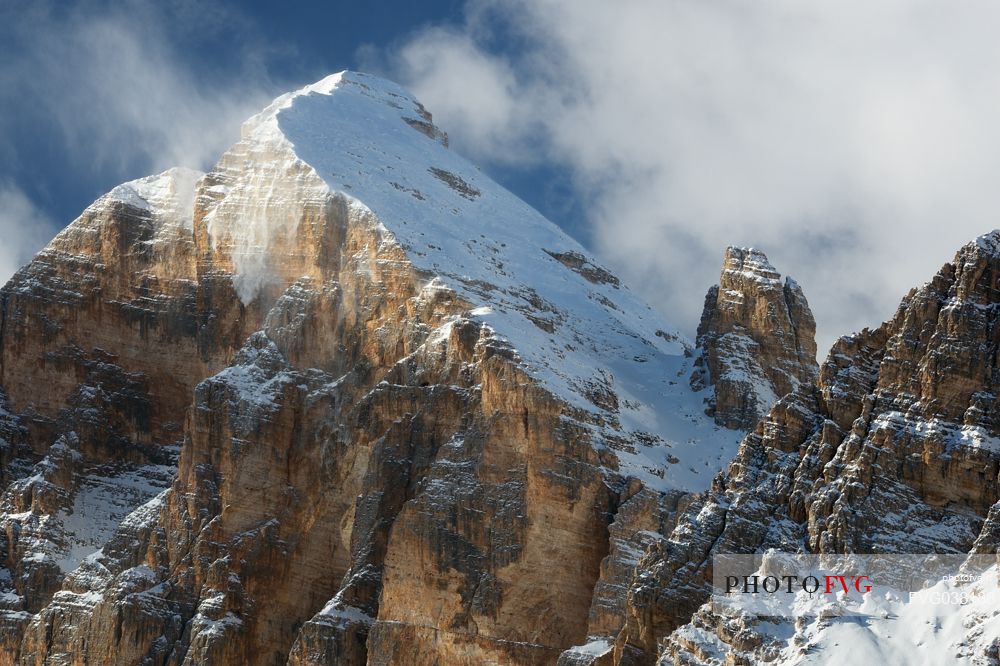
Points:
x=895, y=450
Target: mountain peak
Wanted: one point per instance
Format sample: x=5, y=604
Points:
x=358, y=336
x=367, y=91
x=989, y=242
x=756, y=339
x=370, y=145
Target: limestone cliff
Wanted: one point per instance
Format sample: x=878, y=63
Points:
x=112, y=297
x=757, y=339
x=102, y=339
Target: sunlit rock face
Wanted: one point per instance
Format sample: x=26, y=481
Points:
x=102, y=339
x=111, y=302
x=342, y=399
x=757, y=339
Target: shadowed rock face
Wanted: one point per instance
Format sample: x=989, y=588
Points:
x=757, y=338
x=895, y=450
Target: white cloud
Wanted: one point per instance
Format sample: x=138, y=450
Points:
x=23, y=230
x=483, y=108
x=855, y=142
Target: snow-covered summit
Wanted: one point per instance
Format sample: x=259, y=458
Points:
x=576, y=328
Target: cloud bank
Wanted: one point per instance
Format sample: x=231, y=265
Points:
x=856, y=143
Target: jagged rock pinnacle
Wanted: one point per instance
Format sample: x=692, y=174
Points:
x=757, y=339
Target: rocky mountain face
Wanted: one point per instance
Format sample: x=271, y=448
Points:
x=102, y=339
x=894, y=450
x=344, y=400
x=757, y=337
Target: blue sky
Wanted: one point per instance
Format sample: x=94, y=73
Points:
x=855, y=142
